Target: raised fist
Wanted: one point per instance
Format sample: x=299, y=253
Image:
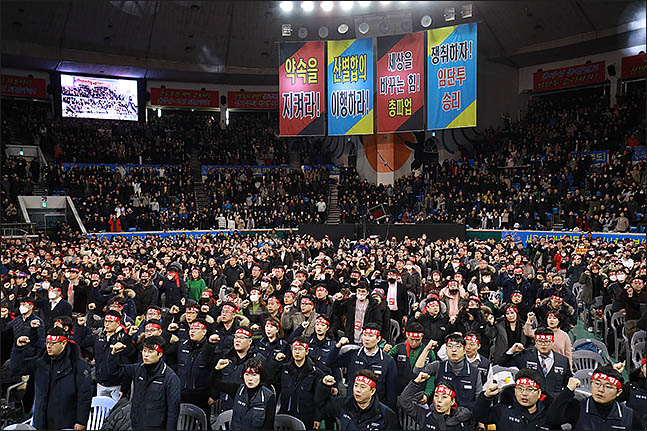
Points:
x=92, y=306
x=421, y=377
x=34, y=323
x=174, y=309
x=305, y=324
x=328, y=380
x=214, y=338
x=118, y=347
x=517, y=347
x=343, y=341
x=22, y=341
x=222, y=363
x=573, y=384
x=173, y=327
x=279, y=357
x=492, y=390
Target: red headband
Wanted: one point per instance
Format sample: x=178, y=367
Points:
x=600, y=376
x=153, y=325
x=369, y=331
x=299, y=343
x=516, y=310
x=156, y=347
x=557, y=298
x=321, y=289
x=57, y=338
x=415, y=334
x=198, y=325
x=544, y=337
x=195, y=309
x=307, y=301
x=251, y=370
x=152, y=310
x=273, y=323
x=366, y=380
x=273, y=299
x=228, y=307
x=322, y=320
x=473, y=339
x=523, y=381
x=113, y=318
x=243, y=331
x=445, y=390
x=643, y=361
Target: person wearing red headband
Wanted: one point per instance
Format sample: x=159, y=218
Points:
x=155, y=402
x=242, y=351
x=364, y=411
x=601, y=411
x=272, y=341
x=370, y=357
x=445, y=413
x=254, y=405
x=62, y=381
x=435, y=323
x=472, y=355
x=227, y=324
x=554, y=320
x=295, y=380
x=358, y=310
x=320, y=343
x=55, y=307
x=306, y=313
x=405, y=354
x=23, y=325
x=527, y=410
x=554, y=369
x=507, y=332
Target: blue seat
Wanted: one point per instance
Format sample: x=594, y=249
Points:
x=555, y=210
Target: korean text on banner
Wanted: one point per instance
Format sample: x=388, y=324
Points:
x=301, y=88
x=401, y=93
x=23, y=86
x=451, y=77
x=350, y=87
x=184, y=98
x=253, y=100
x=634, y=66
x=566, y=77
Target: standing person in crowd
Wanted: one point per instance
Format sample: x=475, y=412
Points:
x=554, y=319
x=406, y=354
x=360, y=411
x=601, y=411
x=445, y=413
x=63, y=384
x=254, y=404
x=27, y=324
x=357, y=311
x=53, y=306
x=554, y=369
x=509, y=331
x=155, y=401
x=195, y=285
x=482, y=363
x=637, y=388
x=455, y=369
x=527, y=410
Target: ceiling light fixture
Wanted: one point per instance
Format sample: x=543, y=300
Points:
x=286, y=6
x=346, y=5
x=364, y=3
x=307, y=6
x=343, y=28
x=326, y=6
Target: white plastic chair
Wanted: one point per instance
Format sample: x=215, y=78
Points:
x=586, y=360
x=637, y=354
x=99, y=411
x=223, y=421
x=584, y=376
x=617, y=323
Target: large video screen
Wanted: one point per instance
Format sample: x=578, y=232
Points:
x=102, y=98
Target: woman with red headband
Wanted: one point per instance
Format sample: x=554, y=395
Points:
x=508, y=331
x=445, y=413
x=254, y=406
x=554, y=320
x=362, y=411
x=602, y=411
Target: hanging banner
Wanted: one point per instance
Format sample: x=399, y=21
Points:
x=451, y=77
x=23, y=86
x=634, y=66
x=253, y=100
x=350, y=87
x=184, y=98
x=301, y=88
x=566, y=77
x=400, y=95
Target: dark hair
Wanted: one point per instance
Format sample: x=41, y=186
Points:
x=202, y=321
x=155, y=340
x=154, y=307
x=275, y=322
x=257, y=365
x=529, y=374
x=455, y=336
x=473, y=334
x=609, y=371
x=56, y=331
x=557, y=315
x=414, y=327
x=544, y=331
x=373, y=326
x=114, y=313
x=65, y=321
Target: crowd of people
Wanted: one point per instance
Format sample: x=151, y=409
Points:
x=265, y=325
x=89, y=100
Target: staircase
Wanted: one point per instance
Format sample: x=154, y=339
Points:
x=333, y=204
x=201, y=199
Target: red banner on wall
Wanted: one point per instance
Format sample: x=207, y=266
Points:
x=634, y=66
x=22, y=86
x=566, y=77
x=400, y=83
x=301, y=88
x=253, y=100
x=184, y=98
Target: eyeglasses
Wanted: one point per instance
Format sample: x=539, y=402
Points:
x=544, y=342
x=598, y=384
x=52, y=343
x=525, y=389
x=241, y=337
x=454, y=346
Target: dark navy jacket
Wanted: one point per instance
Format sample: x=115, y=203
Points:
x=194, y=364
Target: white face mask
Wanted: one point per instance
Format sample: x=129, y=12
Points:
x=613, y=278
x=253, y=298
x=621, y=277
x=455, y=265
x=409, y=267
x=23, y=309
x=45, y=284
x=52, y=295
x=361, y=298
x=294, y=289
x=487, y=279
x=170, y=276
x=264, y=284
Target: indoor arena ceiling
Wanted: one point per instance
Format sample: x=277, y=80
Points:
x=236, y=41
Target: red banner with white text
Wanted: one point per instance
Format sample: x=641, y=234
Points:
x=253, y=100
x=23, y=86
x=634, y=66
x=566, y=77
x=184, y=98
